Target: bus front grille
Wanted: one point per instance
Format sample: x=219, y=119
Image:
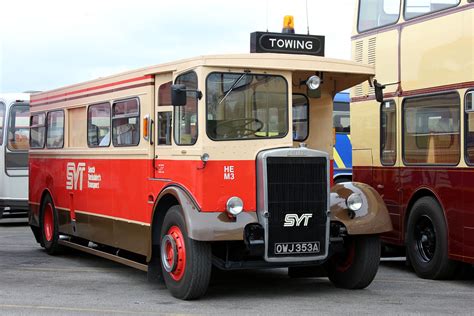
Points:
x=297, y=195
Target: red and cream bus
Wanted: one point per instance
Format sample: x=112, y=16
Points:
x=192, y=163
x=416, y=147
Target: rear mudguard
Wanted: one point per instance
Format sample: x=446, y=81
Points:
x=372, y=218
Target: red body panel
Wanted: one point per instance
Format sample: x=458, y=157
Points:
x=453, y=187
x=121, y=187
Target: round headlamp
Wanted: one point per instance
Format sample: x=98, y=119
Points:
x=313, y=82
x=354, y=202
x=235, y=206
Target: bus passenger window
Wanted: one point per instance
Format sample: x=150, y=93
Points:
x=414, y=8
x=98, y=125
x=469, y=127
x=300, y=117
x=388, y=133
x=164, y=128
x=126, y=123
x=341, y=117
x=164, y=94
x=55, y=130
x=378, y=13
x=18, y=128
x=431, y=131
x=2, y=118
x=185, y=117
x=37, y=130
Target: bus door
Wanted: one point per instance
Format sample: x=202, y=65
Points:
x=386, y=177
x=468, y=177
x=176, y=129
x=16, y=149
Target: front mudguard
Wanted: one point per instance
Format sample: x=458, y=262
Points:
x=372, y=218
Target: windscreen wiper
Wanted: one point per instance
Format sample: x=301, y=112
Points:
x=232, y=87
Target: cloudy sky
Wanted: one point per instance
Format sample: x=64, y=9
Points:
x=51, y=43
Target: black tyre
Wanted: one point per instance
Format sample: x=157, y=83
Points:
x=427, y=241
x=49, y=227
x=357, y=266
x=186, y=263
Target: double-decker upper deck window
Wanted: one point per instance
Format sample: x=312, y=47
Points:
x=246, y=106
x=388, y=133
x=341, y=117
x=431, y=129
x=414, y=8
x=377, y=13
x=37, y=130
x=2, y=119
x=18, y=128
x=98, y=125
x=55, y=130
x=469, y=127
x=126, y=123
x=185, y=117
x=300, y=117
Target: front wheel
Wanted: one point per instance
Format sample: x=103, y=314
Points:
x=186, y=263
x=357, y=266
x=427, y=241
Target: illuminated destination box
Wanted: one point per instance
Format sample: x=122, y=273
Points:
x=263, y=42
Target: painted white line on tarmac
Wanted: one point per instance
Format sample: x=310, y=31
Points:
x=78, y=309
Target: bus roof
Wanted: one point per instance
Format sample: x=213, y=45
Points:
x=9, y=98
x=243, y=61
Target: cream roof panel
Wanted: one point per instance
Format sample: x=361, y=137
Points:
x=268, y=61
x=243, y=61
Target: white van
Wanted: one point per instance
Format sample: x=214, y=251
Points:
x=14, y=144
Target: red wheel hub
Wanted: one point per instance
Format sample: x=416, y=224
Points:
x=173, y=252
x=344, y=262
x=48, y=222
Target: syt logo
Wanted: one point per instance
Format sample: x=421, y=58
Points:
x=292, y=220
x=75, y=175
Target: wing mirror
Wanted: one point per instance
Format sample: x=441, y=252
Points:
x=179, y=94
x=378, y=91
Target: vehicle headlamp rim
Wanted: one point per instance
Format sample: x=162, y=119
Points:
x=354, y=202
x=313, y=82
x=234, y=206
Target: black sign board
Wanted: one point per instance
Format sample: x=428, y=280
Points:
x=263, y=42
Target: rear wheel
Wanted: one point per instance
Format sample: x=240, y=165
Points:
x=49, y=227
x=427, y=241
x=186, y=263
x=357, y=266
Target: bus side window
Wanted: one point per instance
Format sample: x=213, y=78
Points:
x=341, y=117
x=2, y=118
x=126, y=123
x=98, y=125
x=414, y=8
x=300, y=117
x=469, y=127
x=164, y=127
x=431, y=129
x=388, y=133
x=37, y=130
x=18, y=128
x=55, y=129
x=185, y=117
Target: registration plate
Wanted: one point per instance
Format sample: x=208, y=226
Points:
x=286, y=248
